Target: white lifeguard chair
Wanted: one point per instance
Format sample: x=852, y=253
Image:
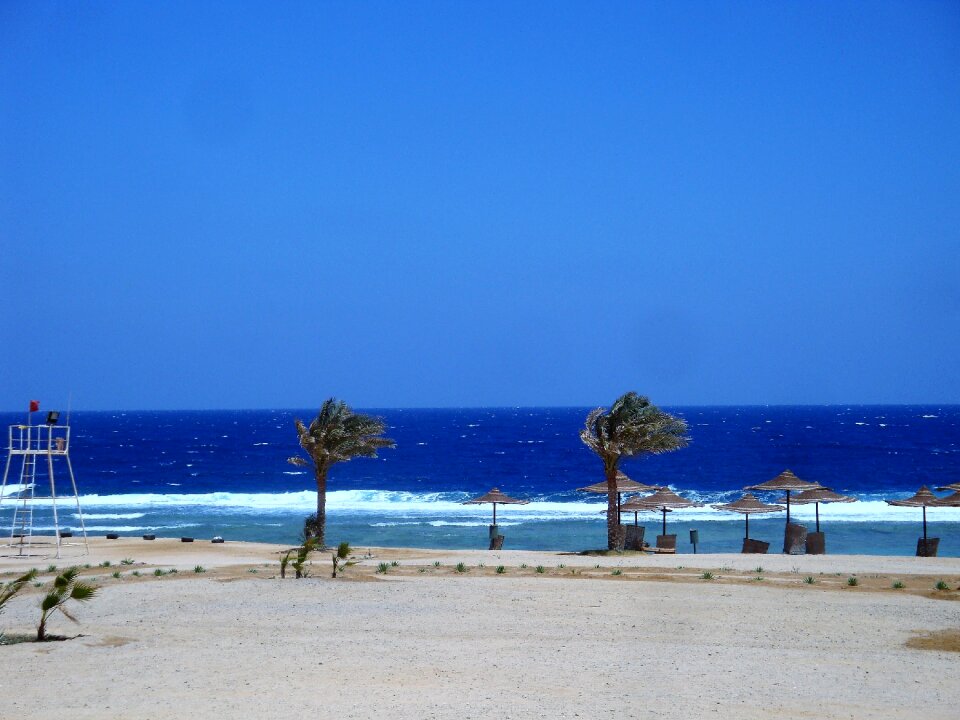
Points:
x=41, y=449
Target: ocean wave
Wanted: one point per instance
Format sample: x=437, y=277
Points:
x=117, y=528
x=394, y=506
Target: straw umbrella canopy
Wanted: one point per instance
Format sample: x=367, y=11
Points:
x=624, y=485
x=495, y=496
x=952, y=500
x=821, y=495
x=923, y=498
x=748, y=505
x=663, y=500
x=785, y=481
x=954, y=486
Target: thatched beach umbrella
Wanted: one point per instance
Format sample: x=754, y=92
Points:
x=495, y=496
x=748, y=505
x=952, y=500
x=821, y=495
x=923, y=498
x=785, y=481
x=663, y=500
x=955, y=487
x=624, y=485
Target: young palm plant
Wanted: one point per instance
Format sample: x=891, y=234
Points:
x=633, y=426
x=11, y=588
x=340, y=561
x=337, y=434
x=66, y=587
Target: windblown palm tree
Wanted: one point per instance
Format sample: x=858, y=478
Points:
x=66, y=586
x=337, y=434
x=633, y=426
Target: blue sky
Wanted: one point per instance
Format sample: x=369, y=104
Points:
x=242, y=205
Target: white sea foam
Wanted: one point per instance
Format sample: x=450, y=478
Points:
x=387, y=506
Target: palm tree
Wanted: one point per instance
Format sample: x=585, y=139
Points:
x=633, y=426
x=337, y=434
x=66, y=586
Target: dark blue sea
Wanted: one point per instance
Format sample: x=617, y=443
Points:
x=226, y=473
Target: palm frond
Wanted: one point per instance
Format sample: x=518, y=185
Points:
x=51, y=600
x=83, y=591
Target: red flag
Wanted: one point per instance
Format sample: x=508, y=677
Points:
x=34, y=405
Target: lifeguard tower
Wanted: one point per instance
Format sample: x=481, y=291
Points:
x=39, y=451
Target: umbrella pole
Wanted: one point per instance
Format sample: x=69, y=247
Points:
x=494, y=513
x=924, y=526
x=816, y=507
x=746, y=517
x=664, y=521
x=636, y=520
x=788, y=507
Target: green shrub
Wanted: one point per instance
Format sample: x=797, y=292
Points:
x=941, y=585
x=852, y=581
x=809, y=580
x=199, y=569
x=500, y=570
x=383, y=568
x=159, y=573
x=898, y=585
x=53, y=568
x=540, y=569
x=116, y=575
x=707, y=575
x=461, y=568
x=127, y=561
x=104, y=564
x=618, y=571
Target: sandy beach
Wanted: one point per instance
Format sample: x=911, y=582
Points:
x=638, y=636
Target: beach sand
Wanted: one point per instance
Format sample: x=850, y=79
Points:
x=421, y=641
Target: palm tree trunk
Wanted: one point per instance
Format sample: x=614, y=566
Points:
x=321, y=527
x=42, y=628
x=613, y=516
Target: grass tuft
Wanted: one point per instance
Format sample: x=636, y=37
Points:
x=540, y=569
x=941, y=585
x=127, y=561
x=618, y=571
x=383, y=568
x=809, y=580
x=852, y=581
x=898, y=585
x=199, y=569
x=461, y=567
x=116, y=574
x=500, y=570
x=707, y=575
